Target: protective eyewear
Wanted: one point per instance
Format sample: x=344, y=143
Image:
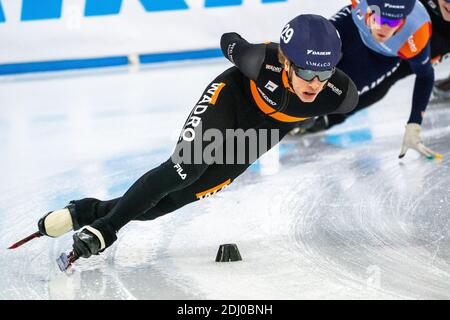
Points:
x=309, y=75
x=390, y=22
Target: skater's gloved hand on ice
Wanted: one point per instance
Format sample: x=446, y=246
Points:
x=88, y=242
x=412, y=140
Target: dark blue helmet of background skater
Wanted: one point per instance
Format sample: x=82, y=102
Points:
x=311, y=42
x=393, y=9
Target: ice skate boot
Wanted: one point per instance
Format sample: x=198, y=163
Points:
x=53, y=224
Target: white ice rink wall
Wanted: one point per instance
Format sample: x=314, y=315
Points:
x=34, y=31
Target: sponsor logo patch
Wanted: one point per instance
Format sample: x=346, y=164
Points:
x=318, y=64
x=273, y=103
x=318, y=53
x=334, y=88
x=180, y=171
x=271, y=86
x=393, y=6
x=432, y=4
x=208, y=99
x=412, y=44
x=273, y=68
x=230, y=51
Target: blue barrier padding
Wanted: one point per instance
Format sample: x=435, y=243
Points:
x=177, y=56
x=43, y=66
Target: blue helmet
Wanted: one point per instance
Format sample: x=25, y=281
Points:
x=393, y=9
x=311, y=42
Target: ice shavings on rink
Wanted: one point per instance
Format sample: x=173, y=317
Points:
x=331, y=215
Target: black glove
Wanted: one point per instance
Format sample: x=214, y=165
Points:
x=86, y=243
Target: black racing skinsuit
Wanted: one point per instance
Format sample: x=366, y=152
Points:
x=440, y=49
x=253, y=94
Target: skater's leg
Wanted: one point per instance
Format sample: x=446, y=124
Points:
x=87, y=210
x=77, y=214
x=216, y=178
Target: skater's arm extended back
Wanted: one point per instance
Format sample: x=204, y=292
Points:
x=246, y=56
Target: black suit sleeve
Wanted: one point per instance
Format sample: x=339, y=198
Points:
x=351, y=99
x=247, y=57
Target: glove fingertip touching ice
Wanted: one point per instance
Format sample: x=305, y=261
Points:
x=412, y=140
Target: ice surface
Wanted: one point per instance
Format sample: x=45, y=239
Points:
x=333, y=215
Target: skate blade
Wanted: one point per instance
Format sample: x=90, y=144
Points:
x=25, y=240
x=63, y=262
